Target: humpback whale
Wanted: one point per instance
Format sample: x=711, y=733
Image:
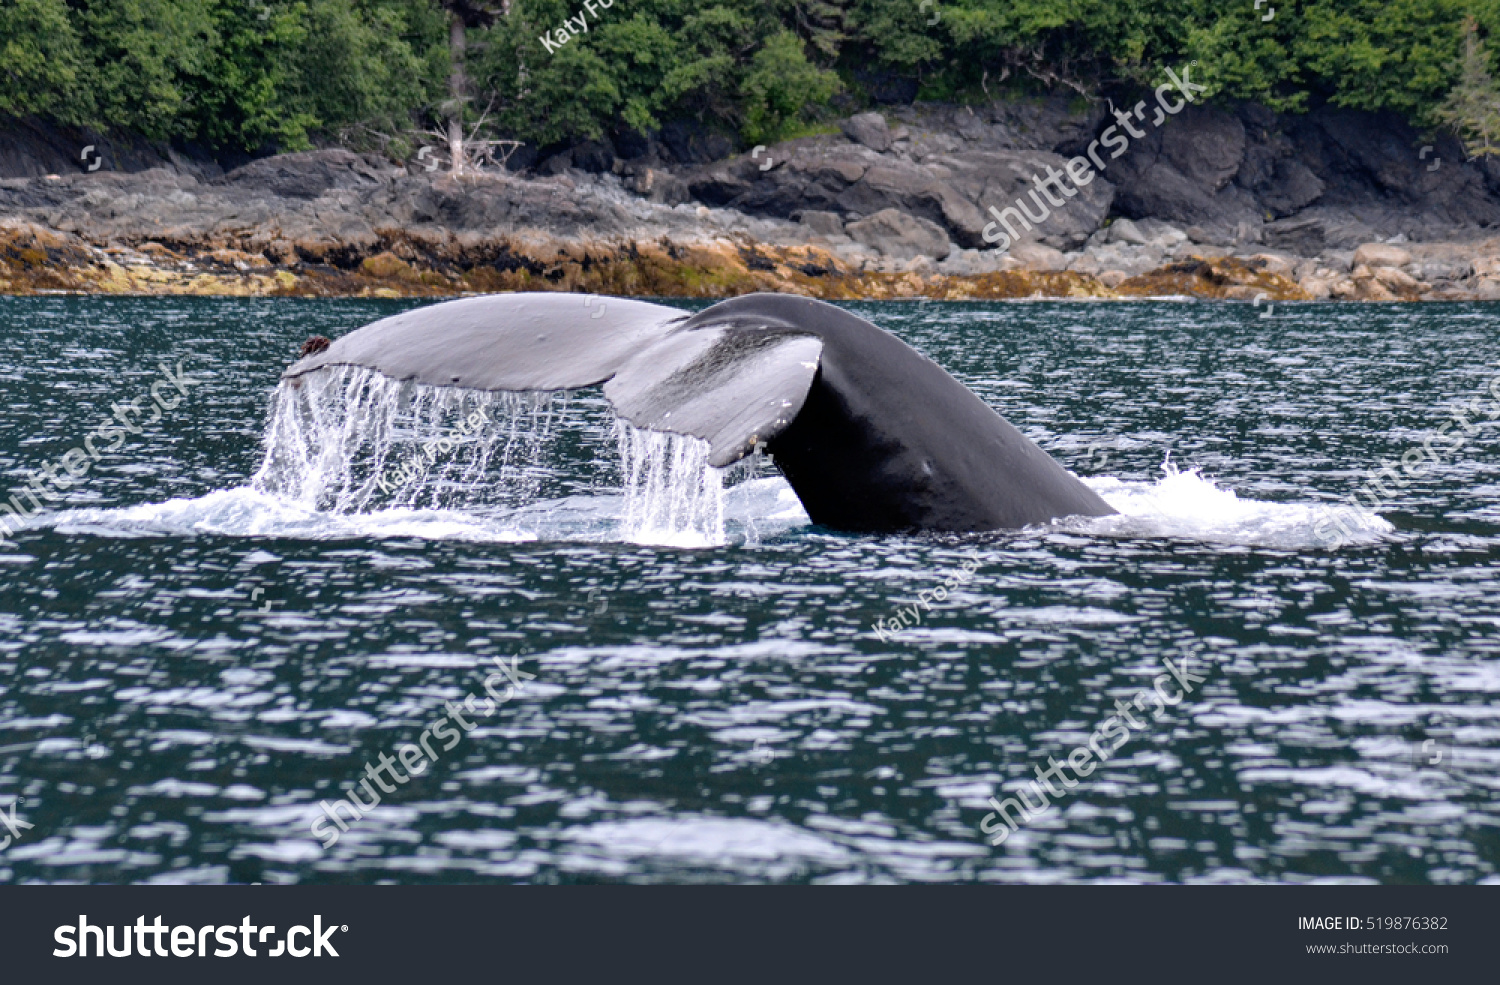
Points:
x=872, y=436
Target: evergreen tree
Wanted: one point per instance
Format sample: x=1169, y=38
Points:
x=1472, y=109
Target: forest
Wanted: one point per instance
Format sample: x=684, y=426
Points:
x=278, y=75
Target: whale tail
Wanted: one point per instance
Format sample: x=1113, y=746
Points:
x=872, y=436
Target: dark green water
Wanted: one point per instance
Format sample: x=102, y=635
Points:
x=724, y=712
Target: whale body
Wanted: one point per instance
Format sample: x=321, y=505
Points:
x=872, y=436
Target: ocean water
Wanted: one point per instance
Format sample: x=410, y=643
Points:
x=252, y=595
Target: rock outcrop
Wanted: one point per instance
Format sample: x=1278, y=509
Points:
x=902, y=203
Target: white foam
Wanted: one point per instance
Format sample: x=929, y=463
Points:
x=247, y=512
x=1184, y=504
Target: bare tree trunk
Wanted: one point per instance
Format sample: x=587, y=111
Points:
x=456, y=86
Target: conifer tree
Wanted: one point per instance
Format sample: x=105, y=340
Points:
x=1472, y=109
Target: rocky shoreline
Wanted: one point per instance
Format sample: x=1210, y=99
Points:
x=893, y=206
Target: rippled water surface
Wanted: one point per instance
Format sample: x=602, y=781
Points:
x=192, y=658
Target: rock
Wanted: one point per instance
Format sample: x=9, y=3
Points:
x=1365, y=286
x=692, y=142
x=1274, y=263
x=1035, y=256
x=1368, y=157
x=1294, y=188
x=385, y=265
x=238, y=260
x=1086, y=263
x=310, y=174
x=594, y=156
x=1160, y=235
x=1317, y=288
x=1381, y=255
x=1125, y=231
x=897, y=234
x=1487, y=267
x=1282, y=184
x=1113, y=278
x=1304, y=235
x=1204, y=145
x=1182, y=170
x=1398, y=280
x=722, y=186
x=1488, y=289
x=869, y=129
x=1224, y=277
x=1343, y=289
x=556, y=164
x=823, y=223
x=1446, y=269
x=945, y=182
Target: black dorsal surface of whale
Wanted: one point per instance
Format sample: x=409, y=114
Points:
x=873, y=436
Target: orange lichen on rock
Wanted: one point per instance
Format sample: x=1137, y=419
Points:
x=1224, y=278
x=394, y=263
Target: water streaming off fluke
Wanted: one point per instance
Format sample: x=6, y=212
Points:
x=351, y=441
x=672, y=495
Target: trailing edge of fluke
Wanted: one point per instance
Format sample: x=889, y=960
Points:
x=873, y=436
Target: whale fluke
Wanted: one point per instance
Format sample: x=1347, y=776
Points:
x=734, y=389
x=872, y=435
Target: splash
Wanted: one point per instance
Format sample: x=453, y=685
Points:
x=350, y=440
x=1185, y=504
x=673, y=497
x=355, y=446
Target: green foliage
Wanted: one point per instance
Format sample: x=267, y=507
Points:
x=41, y=61
x=779, y=84
x=145, y=54
x=1472, y=109
x=294, y=73
x=732, y=62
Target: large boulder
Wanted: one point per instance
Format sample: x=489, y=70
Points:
x=310, y=174
x=1183, y=171
x=897, y=234
x=869, y=129
x=952, y=166
x=1381, y=255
